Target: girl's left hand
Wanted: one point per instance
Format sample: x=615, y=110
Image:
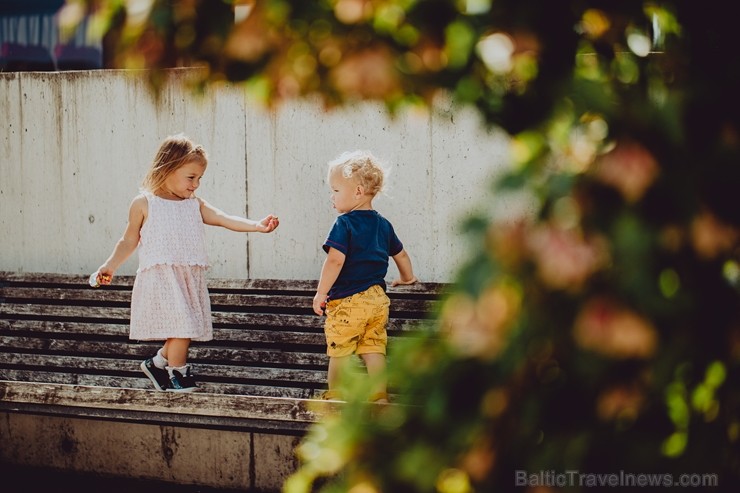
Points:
x=269, y=224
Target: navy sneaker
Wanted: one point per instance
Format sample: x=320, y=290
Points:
x=159, y=376
x=180, y=382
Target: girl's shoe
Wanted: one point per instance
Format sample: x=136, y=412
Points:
x=180, y=382
x=159, y=377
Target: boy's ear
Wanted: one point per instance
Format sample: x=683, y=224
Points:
x=359, y=191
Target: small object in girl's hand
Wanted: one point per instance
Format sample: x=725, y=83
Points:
x=95, y=282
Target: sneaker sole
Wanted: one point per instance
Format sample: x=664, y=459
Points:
x=185, y=390
x=151, y=377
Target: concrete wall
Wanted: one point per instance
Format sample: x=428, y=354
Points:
x=74, y=147
x=225, y=459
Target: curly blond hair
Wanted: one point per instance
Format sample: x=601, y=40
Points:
x=362, y=167
x=174, y=151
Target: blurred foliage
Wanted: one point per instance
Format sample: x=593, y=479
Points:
x=599, y=332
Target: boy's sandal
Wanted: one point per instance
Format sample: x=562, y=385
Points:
x=335, y=395
x=379, y=396
x=331, y=395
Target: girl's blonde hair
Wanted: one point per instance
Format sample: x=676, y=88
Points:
x=363, y=167
x=174, y=152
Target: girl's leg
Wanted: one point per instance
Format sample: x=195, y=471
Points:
x=375, y=364
x=181, y=377
x=176, y=351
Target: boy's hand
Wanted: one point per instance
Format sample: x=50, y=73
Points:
x=268, y=224
x=401, y=282
x=319, y=303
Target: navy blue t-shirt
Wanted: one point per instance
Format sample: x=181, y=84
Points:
x=367, y=240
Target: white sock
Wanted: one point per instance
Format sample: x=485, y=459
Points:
x=159, y=360
x=182, y=369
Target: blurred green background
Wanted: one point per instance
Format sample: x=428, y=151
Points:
x=599, y=332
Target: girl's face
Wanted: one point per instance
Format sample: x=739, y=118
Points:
x=344, y=192
x=185, y=180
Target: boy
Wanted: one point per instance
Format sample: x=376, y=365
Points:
x=351, y=290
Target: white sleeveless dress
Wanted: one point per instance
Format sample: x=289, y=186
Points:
x=170, y=294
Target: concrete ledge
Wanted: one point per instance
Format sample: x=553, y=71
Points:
x=226, y=459
x=249, y=413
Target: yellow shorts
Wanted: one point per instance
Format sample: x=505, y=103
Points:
x=357, y=324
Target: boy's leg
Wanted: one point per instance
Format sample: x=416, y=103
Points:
x=341, y=332
x=336, y=367
x=334, y=373
x=372, y=344
x=375, y=364
x=356, y=325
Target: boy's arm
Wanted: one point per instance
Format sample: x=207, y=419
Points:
x=214, y=216
x=128, y=242
x=403, y=262
x=329, y=273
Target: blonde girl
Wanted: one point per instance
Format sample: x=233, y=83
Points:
x=170, y=299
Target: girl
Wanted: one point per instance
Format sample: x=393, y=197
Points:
x=170, y=299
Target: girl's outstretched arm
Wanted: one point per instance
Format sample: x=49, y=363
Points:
x=129, y=241
x=214, y=216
